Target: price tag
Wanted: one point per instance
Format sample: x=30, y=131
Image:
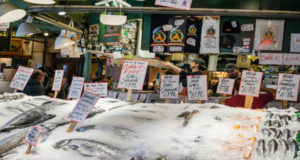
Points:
x=33, y=135
x=59, y=74
x=197, y=88
x=21, y=78
x=287, y=87
x=225, y=86
x=76, y=87
x=250, y=83
x=122, y=96
x=97, y=88
x=169, y=86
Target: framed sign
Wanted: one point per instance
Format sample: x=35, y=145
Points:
x=197, y=87
x=287, y=87
x=21, y=78
x=169, y=86
x=250, y=83
x=225, y=86
x=180, y=4
x=76, y=87
x=59, y=74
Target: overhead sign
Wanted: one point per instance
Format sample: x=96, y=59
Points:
x=271, y=58
x=288, y=87
x=59, y=74
x=83, y=107
x=197, y=88
x=169, y=86
x=225, y=86
x=180, y=4
x=250, y=83
x=133, y=75
x=291, y=59
x=33, y=135
x=76, y=87
x=97, y=88
x=21, y=78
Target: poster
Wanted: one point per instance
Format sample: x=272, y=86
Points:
x=76, y=87
x=250, y=83
x=32, y=136
x=133, y=75
x=287, y=87
x=21, y=78
x=83, y=107
x=176, y=36
x=271, y=58
x=225, y=86
x=59, y=75
x=269, y=35
x=197, y=88
x=210, y=36
x=99, y=89
x=180, y=4
x=169, y=86
x=291, y=59
x=295, y=42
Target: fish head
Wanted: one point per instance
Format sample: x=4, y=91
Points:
x=61, y=143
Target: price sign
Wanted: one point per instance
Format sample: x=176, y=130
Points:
x=180, y=4
x=59, y=74
x=133, y=75
x=287, y=87
x=122, y=96
x=197, y=88
x=76, y=87
x=97, y=88
x=169, y=86
x=112, y=94
x=83, y=107
x=225, y=86
x=271, y=58
x=21, y=78
x=250, y=83
x=291, y=59
x=33, y=135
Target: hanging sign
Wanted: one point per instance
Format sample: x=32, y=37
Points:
x=271, y=58
x=83, y=107
x=112, y=94
x=291, y=59
x=250, y=83
x=21, y=78
x=225, y=86
x=99, y=89
x=169, y=86
x=76, y=87
x=133, y=75
x=122, y=96
x=33, y=135
x=210, y=36
x=287, y=87
x=59, y=74
x=180, y=4
x=197, y=88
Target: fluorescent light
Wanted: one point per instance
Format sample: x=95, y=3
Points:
x=40, y=1
x=61, y=13
x=10, y=12
x=27, y=28
x=62, y=41
x=113, y=19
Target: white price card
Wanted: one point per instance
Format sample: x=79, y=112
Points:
x=287, y=87
x=97, y=88
x=250, y=83
x=59, y=75
x=133, y=75
x=33, y=135
x=76, y=87
x=225, y=86
x=197, y=88
x=83, y=107
x=169, y=86
x=21, y=78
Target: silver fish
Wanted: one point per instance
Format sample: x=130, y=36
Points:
x=276, y=123
x=266, y=132
x=286, y=117
x=269, y=115
x=274, y=132
x=15, y=109
x=283, y=145
x=277, y=116
x=261, y=147
x=268, y=123
x=89, y=148
x=293, y=147
x=85, y=128
x=12, y=141
x=286, y=134
x=272, y=147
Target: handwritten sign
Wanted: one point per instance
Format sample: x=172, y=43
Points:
x=135, y=97
x=225, y=86
x=112, y=94
x=169, y=86
x=122, y=96
x=142, y=97
x=287, y=88
x=197, y=88
x=133, y=75
x=180, y=4
x=271, y=58
x=59, y=74
x=33, y=135
x=97, y=88
x=83, y=107
x=295, y=42
x=291, y=59
x=250, y=83
x=21, y=78
x=76, y=87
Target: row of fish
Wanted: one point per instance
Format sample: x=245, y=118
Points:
x=278, y=133
x=11, y=96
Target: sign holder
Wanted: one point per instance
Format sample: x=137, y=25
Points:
x=15, y=90
x=248, y=102
x=72, y=126
x=285, y=104
x=167, y=100
x=223, y=99
x=28, y=149
x=55, y=94
x=129, y=94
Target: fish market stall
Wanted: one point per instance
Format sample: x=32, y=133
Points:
x=132, y=130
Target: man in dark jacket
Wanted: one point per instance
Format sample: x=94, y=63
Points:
x=35, y=85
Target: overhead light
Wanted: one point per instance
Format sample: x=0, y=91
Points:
x=113, y=19
x=40, y=1
x=62, y=41
x=46, y=34
x=10, y=12
x=61, y=13
x=27, y=28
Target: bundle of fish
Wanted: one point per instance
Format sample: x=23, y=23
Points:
x=11, y=96
x=279, y=135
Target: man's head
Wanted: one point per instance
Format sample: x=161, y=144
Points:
x=38, y=75
x=198, y=63
x=232, y=70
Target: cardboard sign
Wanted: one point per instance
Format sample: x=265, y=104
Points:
x=83, y=107
x=33, y=135
x=97, y=88
x=250, y=83
x=169, y=86
x=135, y=97
x=59, y=74
x=76, y=87
x=21, y=78
x=112, y=94
x=225, y=86
x=180, y=4
x=122, y=96
x=287, y=87
x=142, y=97
x=197, y=88
x=133, y=75
x=291, y=59
x=271, y=58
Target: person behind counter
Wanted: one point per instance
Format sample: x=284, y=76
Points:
x=35, y=85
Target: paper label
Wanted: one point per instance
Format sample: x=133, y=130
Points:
x=225, y=86
x=288, y=86
x=99, y=89
x=169, y=87
x=21, y=78
x=76, y=87
x=250, y=83
x=197, y=88
x=59, y=74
